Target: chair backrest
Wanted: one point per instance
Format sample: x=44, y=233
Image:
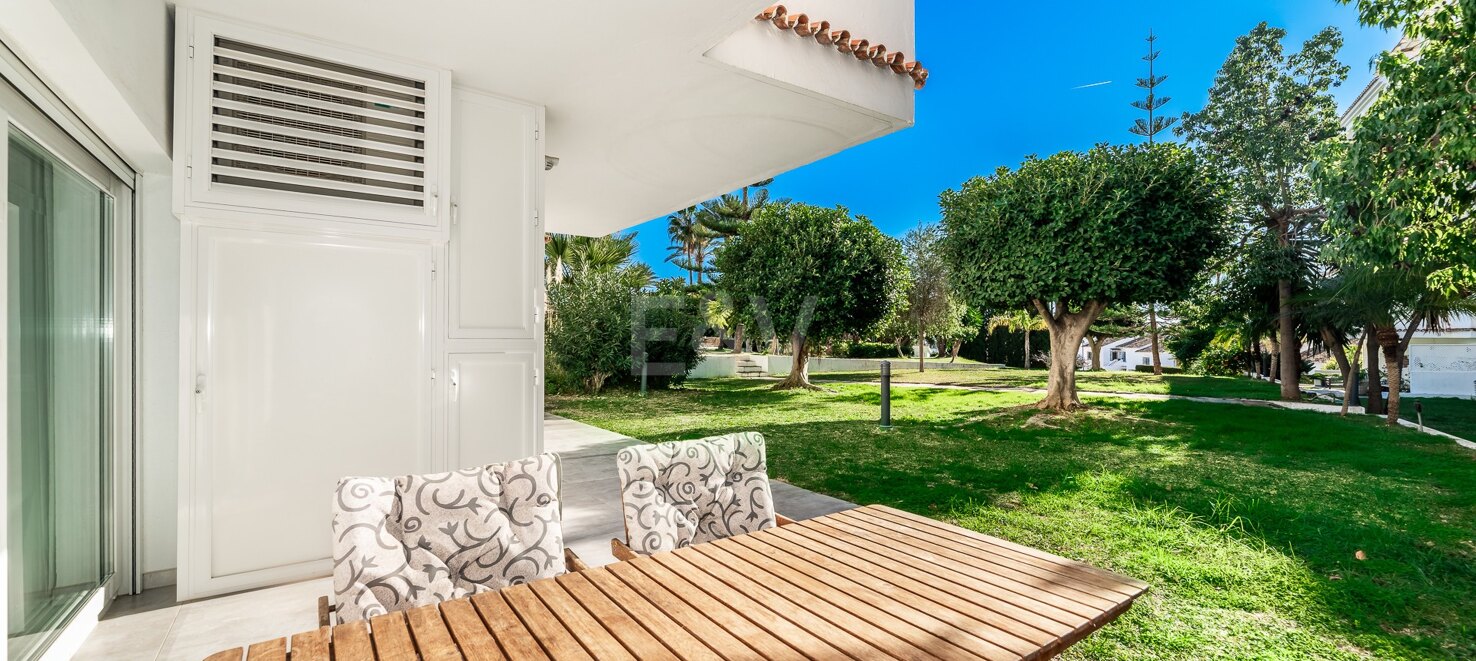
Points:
x=414, y=540
x=688, y=492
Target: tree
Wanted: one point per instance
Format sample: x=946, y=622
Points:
x=1406, y=187
x=690, y=242
x=1266, y=115
x=961, y=324
x=928, y=295
x=817, y=272
x=1076, y=232
x=1114, y=322
x=1022, y=321
x=1148, y=128
x=724, y=216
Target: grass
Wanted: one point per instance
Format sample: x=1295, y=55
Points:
x=1452, y=415
x=1124, y=382
x=1245, y=520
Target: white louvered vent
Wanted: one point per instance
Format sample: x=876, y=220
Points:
x=297, y=127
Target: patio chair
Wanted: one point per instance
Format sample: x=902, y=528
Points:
x=416, y=540
x=687, y=492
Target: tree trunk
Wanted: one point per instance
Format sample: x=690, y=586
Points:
x=1340, y=354
x=1275, y=372
x=957, y=345
x=1096, y=343
x=922, y=349
x=1375, y=403
x=799, y=370
x=1026, y=363
x=1067, y=330
x=1153, y=337
x=1291, y=352
x=1394, y=359
x=738, y=338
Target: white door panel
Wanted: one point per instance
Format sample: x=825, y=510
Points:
x=313, y=363
x=496, y=247
x=494, y=412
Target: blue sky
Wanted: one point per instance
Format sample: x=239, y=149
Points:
x=1002, y=86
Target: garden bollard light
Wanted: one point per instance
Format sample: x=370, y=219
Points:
x=886, y=394
x=1420, y=415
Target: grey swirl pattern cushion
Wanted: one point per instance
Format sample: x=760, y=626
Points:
x=688, y=492
x=415, y=540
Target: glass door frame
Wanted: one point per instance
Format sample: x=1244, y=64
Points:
x=28, y=106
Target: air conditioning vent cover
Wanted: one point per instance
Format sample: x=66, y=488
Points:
x=283, y=123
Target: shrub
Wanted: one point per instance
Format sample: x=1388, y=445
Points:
x=882, y=350
x=588, y=334
x=676, y=326
x=1149, y=369
x=1219, y=361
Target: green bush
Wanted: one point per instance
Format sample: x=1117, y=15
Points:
x=590, y=334
x=1149, y=369
x=872, y=350
x=1219, y=361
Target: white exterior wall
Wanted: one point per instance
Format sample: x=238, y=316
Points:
x=1444, y=363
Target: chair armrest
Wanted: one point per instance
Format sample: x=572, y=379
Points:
x=621, y=551
x=783, y=520
x=325, y=610
x=572, y=562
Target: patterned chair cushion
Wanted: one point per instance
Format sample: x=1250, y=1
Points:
x=415, y=540
x=688, y=492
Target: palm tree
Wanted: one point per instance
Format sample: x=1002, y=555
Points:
x=599, y=254
x=556, y=251
x=1018, y=321
x=685, y=231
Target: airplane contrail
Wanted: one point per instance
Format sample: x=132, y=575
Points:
x=1082, y=87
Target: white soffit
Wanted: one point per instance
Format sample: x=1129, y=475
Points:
x=651, y=106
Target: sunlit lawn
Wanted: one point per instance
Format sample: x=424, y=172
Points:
x=1126, y=382
x=1245, y=520
x=1452, y=415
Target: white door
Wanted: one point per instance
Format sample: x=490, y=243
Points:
x=312, y=361
x=494, y=408
x=496, y=244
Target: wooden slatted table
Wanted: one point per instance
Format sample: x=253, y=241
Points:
x=868, y=583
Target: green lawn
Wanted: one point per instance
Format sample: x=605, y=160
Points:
x=1129, y=382
x=1452, y=415
x=1245, y=519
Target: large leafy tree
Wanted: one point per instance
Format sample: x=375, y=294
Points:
x=814, y=272
x=1267, y=113
x=1406, y=186
x=1076, y=232
x=928, y=295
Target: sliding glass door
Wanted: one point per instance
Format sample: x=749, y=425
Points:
x=60, y=390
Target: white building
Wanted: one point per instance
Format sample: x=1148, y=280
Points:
x=1127, y=353
x=257, y=246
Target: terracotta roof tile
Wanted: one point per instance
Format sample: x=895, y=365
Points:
x=862, y=49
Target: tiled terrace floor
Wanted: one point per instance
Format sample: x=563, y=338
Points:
x=153, y=626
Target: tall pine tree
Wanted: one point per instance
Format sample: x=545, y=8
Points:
x=1149, y=128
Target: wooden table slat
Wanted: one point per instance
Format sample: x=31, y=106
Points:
x=271, y=650
x=1001, y=630
x=392, y=641
x=949, y=626
x=771, y=597
x=351, y=642
x=681, y=641
x=868, y=583
x=432, y=638
x=776, y=624
x=1065, y=597
x=310, y=646
x=507, y=628
x=597, y=639
x=550, y=632
x=853, y=552
x=839, y=601
x=1118, y=586
x=722, y=613
x=630, y=633
x=469, y=631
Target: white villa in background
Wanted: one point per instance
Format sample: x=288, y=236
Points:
x=254, y=246
x=1441, y=363
x=1127, y=353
